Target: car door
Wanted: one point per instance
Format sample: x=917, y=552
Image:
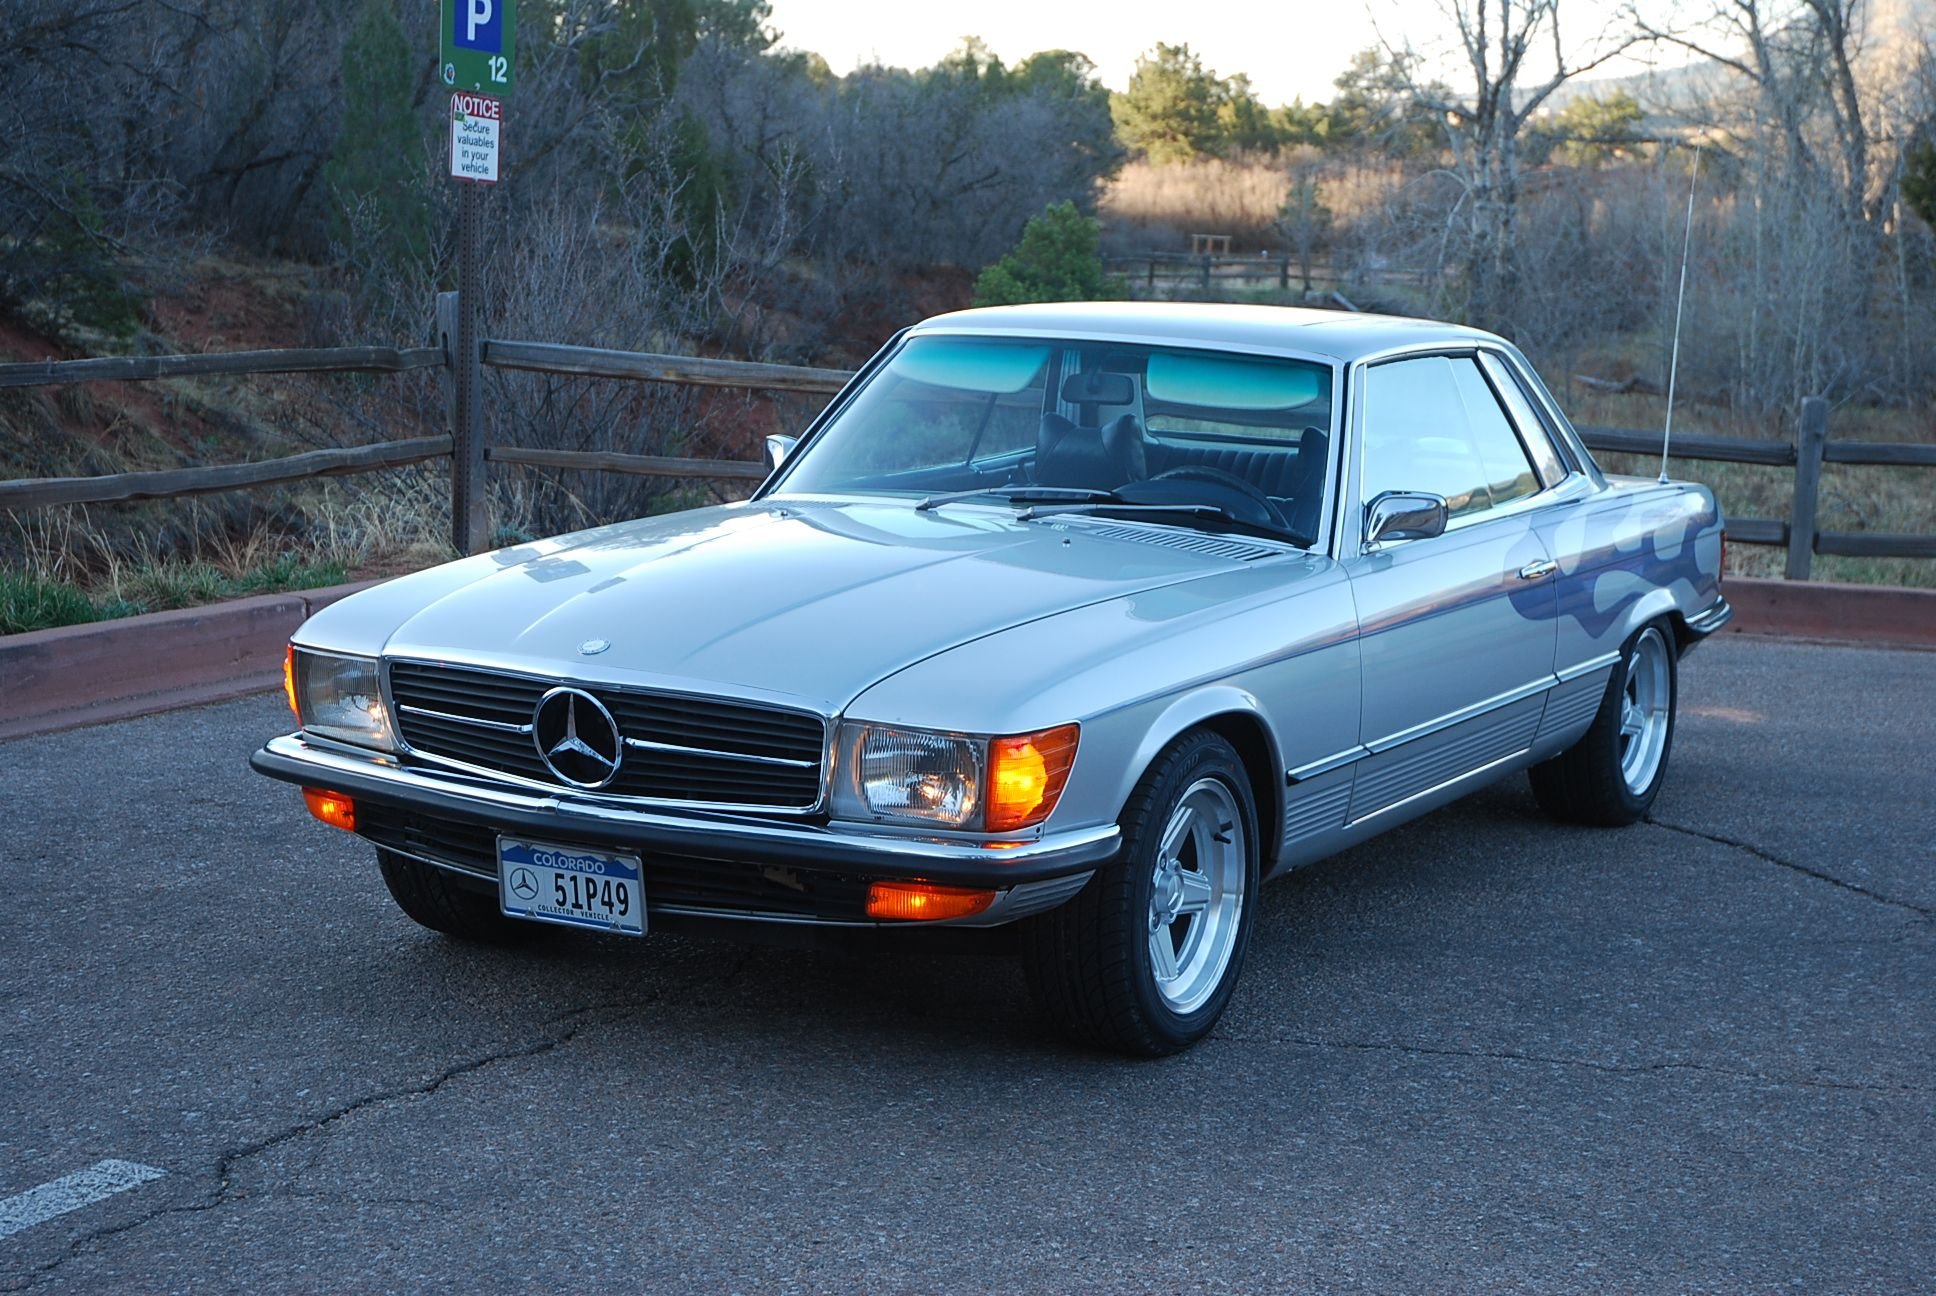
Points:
x=1457, y=630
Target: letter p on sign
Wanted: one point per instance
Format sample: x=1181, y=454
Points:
x=479, y=26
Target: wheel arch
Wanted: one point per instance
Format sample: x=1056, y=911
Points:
x=1238, y=718
x=1656, y=605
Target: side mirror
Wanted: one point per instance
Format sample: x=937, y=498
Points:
x=777, y=450
x=1404, y=515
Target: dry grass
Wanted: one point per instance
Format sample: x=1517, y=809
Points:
x=1156, y=208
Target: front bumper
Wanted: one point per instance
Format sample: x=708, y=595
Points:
x=1030, y=875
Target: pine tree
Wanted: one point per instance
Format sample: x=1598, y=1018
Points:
x=376, y=175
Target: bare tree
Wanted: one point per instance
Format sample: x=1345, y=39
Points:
x=1516, y=57
x=1799, y=57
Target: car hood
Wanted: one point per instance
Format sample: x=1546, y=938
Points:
x=807, y=603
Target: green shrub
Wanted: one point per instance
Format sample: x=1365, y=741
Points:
x=1058, y=259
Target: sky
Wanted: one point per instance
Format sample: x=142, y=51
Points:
x=1289, y=48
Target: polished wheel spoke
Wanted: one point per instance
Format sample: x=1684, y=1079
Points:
x=1163, y=955
x=1179, y=831
x=1632, y=721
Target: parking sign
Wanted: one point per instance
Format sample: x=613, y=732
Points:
x=476, y=39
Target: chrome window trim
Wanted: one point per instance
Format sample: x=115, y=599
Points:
x=1560, y=451
x=1565, y=436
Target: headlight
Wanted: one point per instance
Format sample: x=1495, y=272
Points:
x=338, y=697
x=970, y=782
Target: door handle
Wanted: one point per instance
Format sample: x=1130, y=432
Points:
x=1537, y=570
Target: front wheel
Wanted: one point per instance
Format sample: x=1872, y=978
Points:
x=1145, y=958
x=438, y=901
x=1612, y=775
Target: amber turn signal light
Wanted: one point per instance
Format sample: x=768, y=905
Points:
x=924, y=901
x=333, y=808
x=1026, y=775
x=289, y=681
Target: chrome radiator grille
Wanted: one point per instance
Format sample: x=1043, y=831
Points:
x=678, y=748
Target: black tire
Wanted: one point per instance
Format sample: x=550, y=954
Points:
x=1090, y=961
x=432, y=897
x=1587, y=783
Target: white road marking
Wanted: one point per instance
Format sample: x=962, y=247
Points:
x=71, y=1192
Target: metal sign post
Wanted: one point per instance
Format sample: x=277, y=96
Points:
x=476, y=53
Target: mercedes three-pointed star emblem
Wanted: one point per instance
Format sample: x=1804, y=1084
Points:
x=577, y=738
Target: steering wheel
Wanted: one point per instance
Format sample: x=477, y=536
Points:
x=1263, y=507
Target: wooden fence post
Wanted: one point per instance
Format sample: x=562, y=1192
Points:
x=1811, y=434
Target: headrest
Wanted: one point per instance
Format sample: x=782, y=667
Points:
x=1098, y=388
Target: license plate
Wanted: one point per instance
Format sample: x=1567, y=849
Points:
x=570, y=885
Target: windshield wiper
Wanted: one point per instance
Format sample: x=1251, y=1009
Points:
x=1023, y=494
x=1217, y=512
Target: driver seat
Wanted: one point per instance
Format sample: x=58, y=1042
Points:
x=1084, y=455
x=1306, y=499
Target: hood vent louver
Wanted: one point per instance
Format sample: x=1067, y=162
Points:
x=1210, y=546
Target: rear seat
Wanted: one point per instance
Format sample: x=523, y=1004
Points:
x=1272, y=471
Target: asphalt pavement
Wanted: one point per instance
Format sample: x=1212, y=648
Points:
x=1482, y=1053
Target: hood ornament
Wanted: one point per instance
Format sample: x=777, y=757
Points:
x=593, y=647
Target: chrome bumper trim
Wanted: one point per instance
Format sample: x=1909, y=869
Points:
x=1002, y=865
x=1706, y=623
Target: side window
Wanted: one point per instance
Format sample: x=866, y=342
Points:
x=1532, y=429
x=1010, y=426
x=1509, y=474
x=1431, y=424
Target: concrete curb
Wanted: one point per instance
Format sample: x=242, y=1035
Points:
x=1875, y=616
x=115, y=670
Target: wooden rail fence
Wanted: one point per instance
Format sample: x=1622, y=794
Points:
x=1207, y=270
x=1806, y=453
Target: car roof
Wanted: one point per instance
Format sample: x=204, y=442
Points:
x=1337, y=335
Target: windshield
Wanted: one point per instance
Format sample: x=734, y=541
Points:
x=947, y=417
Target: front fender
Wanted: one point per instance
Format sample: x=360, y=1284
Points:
x=1186, y=713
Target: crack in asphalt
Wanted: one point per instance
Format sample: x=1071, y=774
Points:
x=1927, y=915
x=1537, y=1059
x=576, y=1021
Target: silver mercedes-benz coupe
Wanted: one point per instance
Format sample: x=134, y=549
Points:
x=1087, y=618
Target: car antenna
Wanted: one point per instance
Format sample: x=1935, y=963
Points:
x=1680, y=301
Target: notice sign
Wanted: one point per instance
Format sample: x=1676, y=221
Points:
x=476, y=130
